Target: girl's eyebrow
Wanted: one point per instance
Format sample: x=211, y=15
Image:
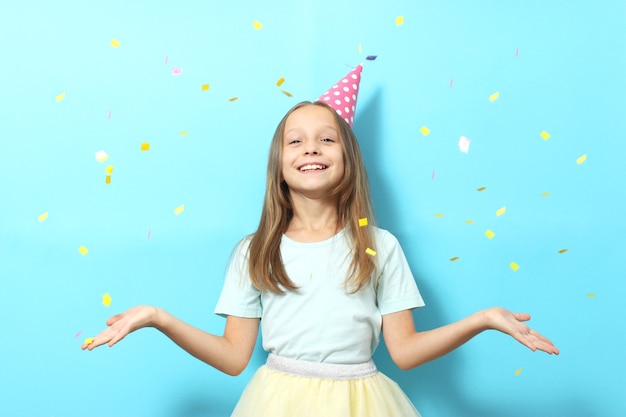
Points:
x=296, y=129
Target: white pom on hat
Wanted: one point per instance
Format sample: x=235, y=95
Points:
x=342, y=96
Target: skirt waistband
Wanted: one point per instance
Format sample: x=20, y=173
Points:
x=320, y=369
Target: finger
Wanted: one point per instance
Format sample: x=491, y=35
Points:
x=521, y=316
x=111, y=320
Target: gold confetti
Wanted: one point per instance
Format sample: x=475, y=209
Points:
x=438, y=214
x=545, y=135
x=287, y=93
x=257, y=25
x=184, y=133
x=469, y=221
x=590, y=294
x=399, y=20
x=514, y=266
x=179, y=209
x=563, y=251
x=233, y=99
x=115, y=43
x=43, y=217
x=83, y=250
x=363, y=222
x=280, y=81
x=519, y=371
x=205, y=87
x=107, y=179
x=106, y=299
x=494, y=96
x=145, y=146
x=59, y=97
x=101, y=156
x=545, y=194
x=581, y=159
x=88, y=341
x=481, y=189
x=370, y=252
x=425, y=131
x=501, y=211
x=454, y=259
x=109, y=169
x=489, y=234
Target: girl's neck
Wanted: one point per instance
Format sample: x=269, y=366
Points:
x=313, y=222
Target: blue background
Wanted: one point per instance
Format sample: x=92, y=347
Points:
x=558, y=68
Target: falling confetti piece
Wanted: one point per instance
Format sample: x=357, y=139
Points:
x=109, y=118
x=287, y=93
x=514, y=266
x=581, y=159
x=148, y=233
x=101, y=156
x=77, y=335
x=432, y=177
x=516, y=52
x=370, y=252
x=205, y=87
x=59, y=97
x=115, y=43
x=371, y=57
x=454, y=259
x=464, y=144
x=501, y=211
x=545, y=135
x=546, y=194
x=145, y=146
x=424, y=130
x=177, y=71
x=184, y=133
x=481, y=189
x=563, y=251
x=451, y=82
x=109, y=169
x=179, y=209
x=438, y=214
x=43, y=217
x=257, y=25
x=469, y=221
x=590, y=294
x=280, y=81
x=233, y=99
x=166, y=57
x=489, y=234
x=106, y=299
x=89, y=341
x=360, y=48
x=83, y=250
x=363, y=222
x=519, y=371
x=107, y=179
x=494, y=96
x=399, y=20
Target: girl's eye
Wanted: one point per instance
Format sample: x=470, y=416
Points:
x=292, y=141
x=327, y=140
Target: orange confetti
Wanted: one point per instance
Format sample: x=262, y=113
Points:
x=280, y=81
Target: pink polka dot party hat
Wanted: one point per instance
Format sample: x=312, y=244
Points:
x=342, y=96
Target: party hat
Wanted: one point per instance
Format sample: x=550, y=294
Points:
x=342, y=96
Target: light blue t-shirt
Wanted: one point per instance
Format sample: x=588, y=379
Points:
x=321, y=321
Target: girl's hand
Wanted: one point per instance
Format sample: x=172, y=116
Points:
x=121, y=325
x=498, y=318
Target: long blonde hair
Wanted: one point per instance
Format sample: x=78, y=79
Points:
x=265, y=262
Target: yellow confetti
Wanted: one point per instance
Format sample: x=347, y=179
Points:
x=563, y=251
x=360, y=48
x=59, y=97
x=101, y=156
x=205, y=87
x=179, y=209
x=481, y=189
x=469, y=221
x=106, y=299
x=489, y=234
x=233, y=99
x=438, y=214
x=107, y=179
x=280, y=81
x=425, y=131
x=519, y=371
x=545, y=135
x=287, y=93
x=494, y=96
x=590, y=294
x=109, y=169
x=370, y=252
x=399, y=20
x=454, y=258
x=546, y=194
x=257, y=25
x=83, y=250
x=184, y=133
x=145, y=146
x=88, y=341
x=43, y=217
x=363, y=222
x=581, y=159
x=115, y=43
x=514, y=266
x=501, y=211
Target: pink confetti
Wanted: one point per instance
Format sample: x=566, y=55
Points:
x=177, y=71
x=165, y=59
x=451, y=82
x=433, y=176
x=109, y=114
x=148, y=233
x=77, y=335
x=516, y=52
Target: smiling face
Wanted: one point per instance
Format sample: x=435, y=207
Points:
x=312, y=153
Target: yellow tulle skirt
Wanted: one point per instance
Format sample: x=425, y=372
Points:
x=283, y=393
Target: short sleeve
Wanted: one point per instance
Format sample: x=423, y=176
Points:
x=239, y=297
x=396, y=289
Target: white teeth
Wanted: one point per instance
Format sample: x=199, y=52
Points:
x=312, y=167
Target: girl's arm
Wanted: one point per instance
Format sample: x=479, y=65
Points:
x=409, y=348
x=229, y=353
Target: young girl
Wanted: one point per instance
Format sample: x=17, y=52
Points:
x=325, y=284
